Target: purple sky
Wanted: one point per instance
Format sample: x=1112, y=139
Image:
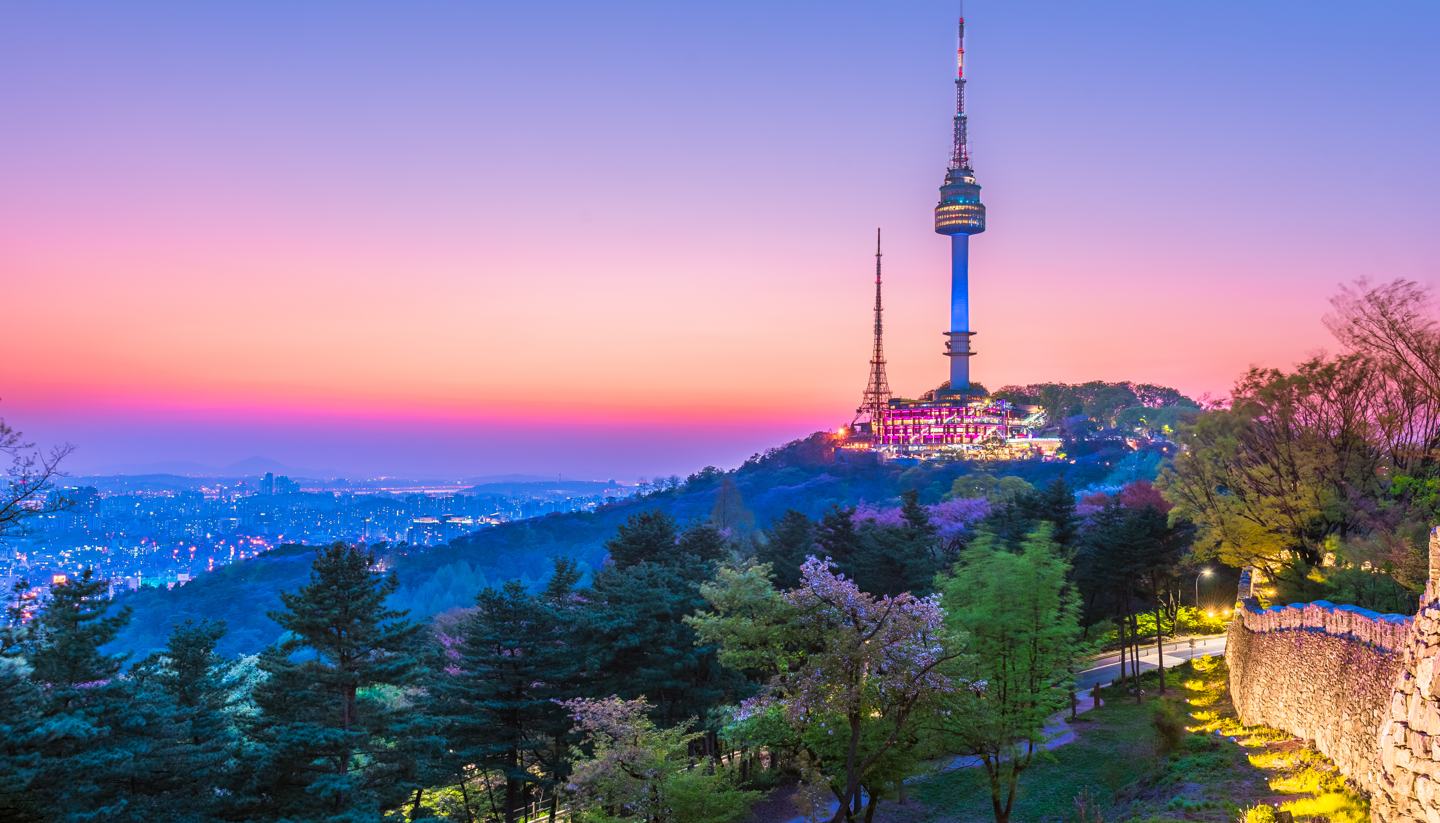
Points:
x=631, y=239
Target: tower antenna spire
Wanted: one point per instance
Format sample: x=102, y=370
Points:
x=960, y=151
x=877, y=391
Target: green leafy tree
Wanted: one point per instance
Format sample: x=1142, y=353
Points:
x=1286, y=467
x=998, y=490
x=730, y=514
x=1019, y=618
x=756, y=631
x=748, y=621
x=325, y=730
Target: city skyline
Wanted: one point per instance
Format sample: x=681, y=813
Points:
x=640, y=243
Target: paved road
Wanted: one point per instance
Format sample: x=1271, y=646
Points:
x=1106, y=668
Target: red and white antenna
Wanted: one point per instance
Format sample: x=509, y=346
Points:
x=960, y=152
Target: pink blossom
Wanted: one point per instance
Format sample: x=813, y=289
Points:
x=866, y=513
x=952, y=518
x=872, y=654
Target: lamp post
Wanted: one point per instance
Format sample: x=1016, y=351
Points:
x=1205, y=572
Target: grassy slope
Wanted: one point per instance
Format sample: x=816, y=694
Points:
x=1115, y=746
x=1218, y=770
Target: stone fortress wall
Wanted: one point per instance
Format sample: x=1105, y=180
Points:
x=1360, y=686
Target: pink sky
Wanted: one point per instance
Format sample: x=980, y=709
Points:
x=452, y=230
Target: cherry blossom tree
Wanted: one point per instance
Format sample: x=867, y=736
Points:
x=870, y=665
x=639, y=771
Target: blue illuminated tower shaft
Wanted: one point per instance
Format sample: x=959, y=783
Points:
x=958, y=343
x=959, y=215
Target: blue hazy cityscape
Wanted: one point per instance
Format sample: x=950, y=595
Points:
x=165, y=530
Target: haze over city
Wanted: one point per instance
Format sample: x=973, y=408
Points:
x=622, y=240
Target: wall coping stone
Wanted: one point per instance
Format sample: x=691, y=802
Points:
x=1387, y=631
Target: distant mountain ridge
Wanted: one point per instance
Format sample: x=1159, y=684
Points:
x=183, y=474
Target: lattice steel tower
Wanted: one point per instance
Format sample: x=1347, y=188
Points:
x=877, y=392
x=959, y=215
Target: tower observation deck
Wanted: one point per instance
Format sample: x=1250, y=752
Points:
x=960, y=214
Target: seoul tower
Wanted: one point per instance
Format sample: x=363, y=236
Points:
x=959, y=215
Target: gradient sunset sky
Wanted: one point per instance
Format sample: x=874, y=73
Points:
x=633, y=238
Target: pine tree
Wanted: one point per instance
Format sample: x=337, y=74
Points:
x=645, y=536
x=639, y=645
x=700, y=548
x=837, y=539
x=14, y=631
x=325, y=728
x=561, y=588
x=633, y=628
x=499, y=698
x=904, y=558
x=1054, y=504
x=86, y=705
x=786, y=546
x=188, y=745
x=21, y=705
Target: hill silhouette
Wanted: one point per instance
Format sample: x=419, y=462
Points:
x=809, y=475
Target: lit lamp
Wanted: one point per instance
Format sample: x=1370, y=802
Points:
x=1205, y=572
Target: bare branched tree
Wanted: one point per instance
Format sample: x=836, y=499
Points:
x=1394, y=324
x=1394, y=327
x=29, y=478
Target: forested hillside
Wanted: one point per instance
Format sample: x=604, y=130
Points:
x=806, y=475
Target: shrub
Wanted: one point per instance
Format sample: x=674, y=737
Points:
x=1261, y=814
x=697, y=797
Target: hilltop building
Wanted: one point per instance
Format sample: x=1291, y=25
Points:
x=957, y=419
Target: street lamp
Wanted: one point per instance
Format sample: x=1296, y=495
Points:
x=1205, y=572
